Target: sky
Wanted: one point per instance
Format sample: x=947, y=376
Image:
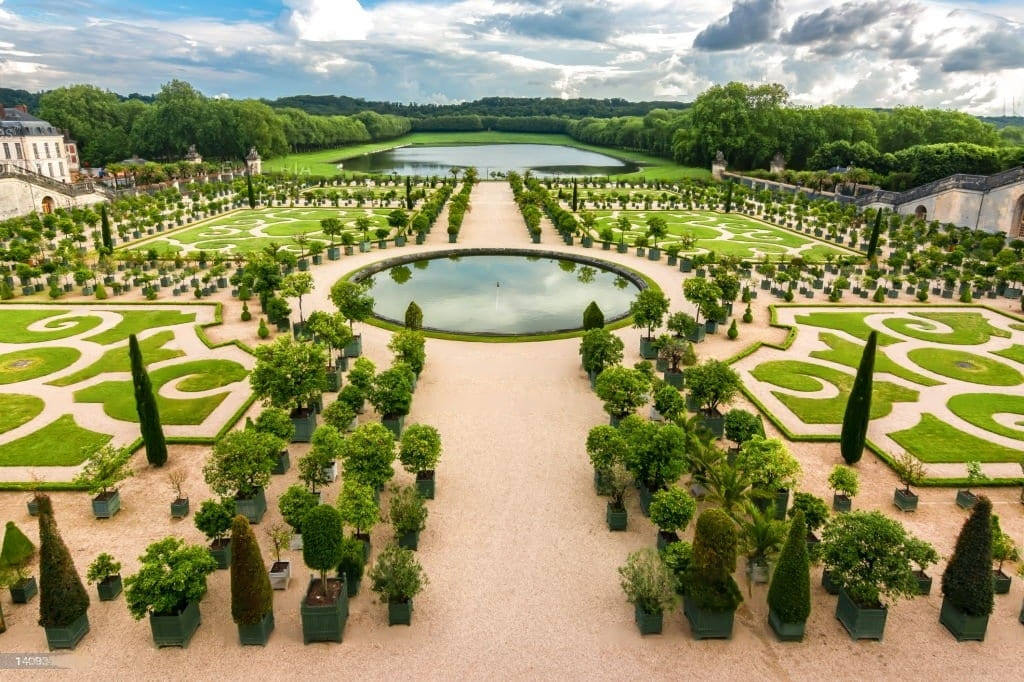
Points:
x=875, y=53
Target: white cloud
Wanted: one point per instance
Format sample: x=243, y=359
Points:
x=328, y=20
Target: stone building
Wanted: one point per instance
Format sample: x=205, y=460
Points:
x=32, y=145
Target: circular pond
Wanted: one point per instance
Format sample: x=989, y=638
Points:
x=499, y=292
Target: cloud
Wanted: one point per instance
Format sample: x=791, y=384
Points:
x=749, y=22
x=991, y=51
x=840, y=23
x=327, y=20
x=593, y=21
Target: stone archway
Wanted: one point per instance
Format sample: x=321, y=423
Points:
x=1016, y=230
x=48, y=205
x=921, y=213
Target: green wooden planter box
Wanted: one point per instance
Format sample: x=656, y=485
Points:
x=905, y=500
x=714, y=424
x=645, y=495
x=697, y=334
x=394, y=424
x=675, y=379
x=425, y=485
x=409, y=540
x=924, y=583
x=305, y=423
x=22, y=592
x=259, y=633
x=453, y=238
x=109, y=588
x=707, y=624
x=67, y=637
x=781, y=504
x=105, y=505
x=325, y=623
x=303, y=265
x=965, y=499
x=400, y=613
x=830, y=585
x=860, y=623
x=647, y=349
x=666, y=538
x=252, y=508
x=33, y=506
x=282, y=464
x=333, y=253
x=175, y=629
x=334, y=381
x=786, y=632
x=617, y=519
x=1001, y=582
x=964, y=627
x=220, y=550
x=355, y=347
x=841, y=503
x=647, y=623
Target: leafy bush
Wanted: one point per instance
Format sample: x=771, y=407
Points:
x=397, y=576
x=407, y=511
x=419, y=448
x=647, y=581
x=295, y=503
x=814, y=509
x=102, y=567
x=844, y=480
x=171, y=574
x=276, y=422
x=357, y=505
x=214, y=518
x=321, y=539
x=672, y=509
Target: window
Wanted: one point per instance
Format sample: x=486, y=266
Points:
x=35, y=150
x=17, y=150
x=49, y=167
x=60, y=168
x=46, y=149
x=7, y=151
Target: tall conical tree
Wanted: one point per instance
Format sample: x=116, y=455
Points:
x=728, y=196
x=408, y=193
x=858, y=405
x=251, y=596
x=967, y=582
x=251, y=192
x=145, y=405
x=108, y=241
x=62, y=596
x=873, y=242
x=789, y=595
x=575, y=196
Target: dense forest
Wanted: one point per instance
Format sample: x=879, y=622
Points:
x=895, y=148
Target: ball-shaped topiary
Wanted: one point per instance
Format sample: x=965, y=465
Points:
x=251, y=596
x=62, y=596
x=967, y=582
x=789, y=595
x=672, y=509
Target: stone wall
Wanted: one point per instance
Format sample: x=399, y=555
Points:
x=18, y=197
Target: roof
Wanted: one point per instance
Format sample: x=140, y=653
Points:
x=23, y=123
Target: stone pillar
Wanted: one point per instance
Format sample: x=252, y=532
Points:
x=778, y=163
x=718, y=166
x=253, y=162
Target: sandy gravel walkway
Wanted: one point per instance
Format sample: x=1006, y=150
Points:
x=523, y=581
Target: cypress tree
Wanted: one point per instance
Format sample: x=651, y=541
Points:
x=249, y=189
x=413, y=316
x=408, y=193
x=17, y=549
x=593, y=318
x=967, y=582
x=145, y=405
x=251, y=596
x=789, y=595
x=108, y=242
x=62, y=596
x=575, y=196
x=728, y=196
x=873, y=243
x=858, y=406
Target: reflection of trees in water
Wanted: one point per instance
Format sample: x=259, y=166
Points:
x=421, y=264
x=401, y=274
x=621, y=282
x=567, y=265
x=533, y=259
x=586, y=274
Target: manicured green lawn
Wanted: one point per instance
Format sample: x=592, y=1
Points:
x=968, y=328
x=978, y=408
x=848, y=353
x=933, y=440
x=804, y=376
x=962, y=366
x=1014, y=352
x=851, y=323
x=14, y=324
x=60, y=443
x=16, y=410
x=118, y=397
x=31, y=363
x=116, y=359
x=137, y=321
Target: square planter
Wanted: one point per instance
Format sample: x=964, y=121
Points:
x=331, y=471
x=400, y=613
x=333, y=253
x=305, y=422
x=355, y=347
x=786, y=632
x=647, y=623
x=697, y=334
x=324, y=621
x=831, y=586
x=425, y=484
x=105, y=505
x=409, y=540
x=175, y=629
x=666, y=538
x=646, y=495
x=964, y=627
x=33, y=506
x=617, y=519
x=674, y=379
x=905, y=500
x=394, y=424
x=622, y=248
x=109, y=588
x=24, y=590
x=707, y=624
x=965, y=499
x=1001, y=582
x=259, y=633
x=647, y=349
x=841, y=503
x=220, y=550
x=252, y=508
x=860, y=623
x=334, y=381
x=295, y=543
x=67, y=637
x=924, y=583
x=179, y=508
x=282, y=463
x=280, y=574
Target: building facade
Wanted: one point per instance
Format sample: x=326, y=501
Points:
x=34, y=146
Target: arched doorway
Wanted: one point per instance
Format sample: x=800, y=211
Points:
x=921, y=213
x=47, y=205
x=1016, y=230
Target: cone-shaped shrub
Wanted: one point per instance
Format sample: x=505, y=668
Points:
x=105, y=236
x=709, y=582
x=858, y=406
x=967, y=582
x=251, y=597
x=593, y=318
x=789, y=595
x=413, y=316
x=17, y=549
x=145, y=405
x=62, y=596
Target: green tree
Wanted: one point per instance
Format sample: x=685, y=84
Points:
x=622, y=390
x=108, y=241
x=593, y=318
x=145, y=405
x=297, y=285
x=409, y=346
x=789, y=595
x=420, y=448
x=241, y=462
x=368, y=454
x=413, y=317
x=357, y=506
x=858, y=406
x=709, y=582
x=649, y=310
x=875, y=231
x=251, y=595
x=967, y=581
x=600, y=349
x=288, y=374
x=352, y=300
x=62, y=596
x=171, y=574
x=703, y=293
x=321, y=540
x=712, y=383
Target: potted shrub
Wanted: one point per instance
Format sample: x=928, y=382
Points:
x=922, y=555
x=623, y=390
x=740, y=426
x=671, y=509
x=677, y=558
x=352, y=564
x=239, y=467
x=409, y=347
x=965, y=499
x=397, y=578
x=773, y=472
x=967, y=588
x=762, y=536
x=280, y=572
x=179, y=506
x=277, y=423
x=341, y=415
x=360, y=379
x=324, y=610
x=599, y=349
x=391, y=395
x=331, y=329
x=316, y=471
x=104, y=468
x=712, y=384
x=328, y=445
x=106, y=573
x=294, y=504
x=16, y=553
x=419, y=451
x=368, y=454
x=358, y=508
x=648, y=311
x=408, y=515
x=214, y=520
x=605, y=447
x=252, y=602
x=656, y=455
x=710, y=595
x=170, y=582
x=869, y=556
x=844, y=483
x=289, y=375
x=789, y=595
x=673, y=351
x=355, y=304
x=649, y=587
x=910, y=471
x=816, y=515
x=1003, y=549
x=63, y=601
x=617, y=480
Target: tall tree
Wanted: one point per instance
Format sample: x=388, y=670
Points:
x=967, y=582
x=858, y=405
x=249, y=190
x=876, y=228
x=251, y=596
x=145, y=405
x=62, y=596
x=108, y=241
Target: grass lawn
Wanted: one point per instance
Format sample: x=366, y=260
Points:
x=136, y=321
x=978, y=408
x=60, y=443
x=962, y=366
x=118, y=397
x=933, y=440
x=325, y=162
x=851, y=323
x=968, y=328
x=14, y=324
x=1014, y=352
x=803, y=376
x=16, y=410
x=116, y=359
x=32, y=363
x=848, y=353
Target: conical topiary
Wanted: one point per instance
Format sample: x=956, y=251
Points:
x=967, y=582
x=62, y=596
x=789, y=595
x=593, y=318
x=709, y=582
x=146, y=407
x=858, y=405
x=251, y=596
x=17, y=549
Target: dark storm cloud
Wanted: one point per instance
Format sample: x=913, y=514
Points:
x=992, y=51
x=749, y=22
x=589, y=22
x=834, y=23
